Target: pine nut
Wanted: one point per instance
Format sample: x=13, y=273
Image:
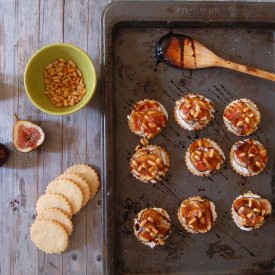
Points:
x=155, y=230
x=202, y=220
x=240, y=123
x=211, y=153
x=151, y=162
x=152, y=125
x=256, y=210
x=263, y=152
x=158, y=161
x=143, y=223
x=192, y=221
x=242, y=155
x=258, y=164
x=247, y=120
x=249, y=215
x=150, y=219
x=161, y=242
x=197, y=157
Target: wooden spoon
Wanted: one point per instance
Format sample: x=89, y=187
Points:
x=183, y=52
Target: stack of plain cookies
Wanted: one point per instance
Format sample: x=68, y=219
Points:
x=65, y=196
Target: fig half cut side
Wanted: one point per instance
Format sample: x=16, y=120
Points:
x=27, y=136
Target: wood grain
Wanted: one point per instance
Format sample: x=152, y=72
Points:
x=26, y=26
x=50, y=160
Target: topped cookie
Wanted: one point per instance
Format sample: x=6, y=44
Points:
x=249, y=211
x=147, y=118
x=197, y=214
x=152, y=226
x=204, y=157
x=248, y=157
x=193, y=112
x=242, y=117
x=149, y=163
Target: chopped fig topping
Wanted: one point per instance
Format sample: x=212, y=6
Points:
x=197, y=214
x=147, y=118
x=250, y=154
x=153, y=226
x=243, y=116
x=251, y=211
x=204, y=156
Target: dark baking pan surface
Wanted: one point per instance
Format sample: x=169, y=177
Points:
x=241, y=32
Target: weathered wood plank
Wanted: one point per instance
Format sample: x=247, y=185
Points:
x=75, y=137
x=25, y=255
x=50, y=160
x=8, y=91
x=95, y=211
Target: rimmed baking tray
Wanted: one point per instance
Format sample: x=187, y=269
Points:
x=242, y=32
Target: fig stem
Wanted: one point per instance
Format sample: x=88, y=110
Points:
x=15, y=117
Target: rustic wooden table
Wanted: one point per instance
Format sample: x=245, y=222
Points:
x=26, y=26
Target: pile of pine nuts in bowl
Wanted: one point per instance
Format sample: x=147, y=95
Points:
x=60, y=79
x=64, y=83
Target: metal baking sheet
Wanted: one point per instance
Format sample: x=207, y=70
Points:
x=241, y=32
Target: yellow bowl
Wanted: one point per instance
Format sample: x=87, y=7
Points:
x=34, y=76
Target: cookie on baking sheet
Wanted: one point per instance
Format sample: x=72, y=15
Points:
x=81, y=183
x=53, y=201
x=58, y=215
x=242, y=117
x=49, y=236
x=68, y=189
x=87, y=173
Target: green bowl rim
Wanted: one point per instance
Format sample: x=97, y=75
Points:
x=77, y=107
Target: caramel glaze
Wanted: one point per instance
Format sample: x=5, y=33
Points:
x=148, y=118
x=252, y=154
x=197, y=214
x=252, y=211
x=170, y=49
x=152, y=226
x=191, y=103
x=242, y=116
x=202, y=157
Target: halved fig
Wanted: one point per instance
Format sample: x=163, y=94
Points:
x=27, y=136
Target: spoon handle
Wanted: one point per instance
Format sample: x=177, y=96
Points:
x=245, y=69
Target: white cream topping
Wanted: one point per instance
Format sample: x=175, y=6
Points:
x=191, y=124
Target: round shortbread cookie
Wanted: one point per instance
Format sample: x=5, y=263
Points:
x=89, y=174
x=81, y=183
x=68, y=189
x=54, y=201
x=49, y=236
x=58, y=215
